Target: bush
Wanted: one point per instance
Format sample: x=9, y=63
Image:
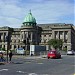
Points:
x=65, y=49
x=2, y=49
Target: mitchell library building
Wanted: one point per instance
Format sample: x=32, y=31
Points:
x=31, y=33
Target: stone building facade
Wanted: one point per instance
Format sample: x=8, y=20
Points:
x=36, y=34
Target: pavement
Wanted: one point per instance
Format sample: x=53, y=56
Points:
x=30, y=57
x=25, y=57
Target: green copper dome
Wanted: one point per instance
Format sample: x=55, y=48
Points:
x=29, y=18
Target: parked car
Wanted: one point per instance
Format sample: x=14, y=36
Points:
x=2, y=59
x=2, y=51
x=53, y=54
x=70, y=52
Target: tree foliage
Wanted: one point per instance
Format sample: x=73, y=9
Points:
x=55, y=43
x=2, y=49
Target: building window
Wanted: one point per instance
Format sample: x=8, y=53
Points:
x=44, y=35
x=29, y=35
x=61, y=34
x=49, y=35
x=14, y=36
x=10, y=46
x=14, y=41
x=65, y=40
x=0, y=37
x=28, y=24
x=22, y=35
x=14, y=46
x=0, y=46
x=56, y=34
x=44, y=41
x=4, y=46
x=66, y=35
x=33, y=36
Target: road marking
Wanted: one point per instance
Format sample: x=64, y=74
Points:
x=39, y=63
x=27, y=62
x=20, y=72
x=32, y=74
x=4, y=70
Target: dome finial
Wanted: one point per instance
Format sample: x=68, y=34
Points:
x=30, y=11
x=29, y=18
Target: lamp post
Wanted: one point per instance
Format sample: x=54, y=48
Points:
x=7, y=40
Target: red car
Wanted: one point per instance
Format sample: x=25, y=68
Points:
x=53, y=54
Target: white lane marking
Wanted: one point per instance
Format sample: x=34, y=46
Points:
x=4, y=70
x=39, y=63
x=21, y=72
x=27, y=62
x=32, y=74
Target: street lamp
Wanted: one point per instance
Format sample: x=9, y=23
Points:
x=7, y=40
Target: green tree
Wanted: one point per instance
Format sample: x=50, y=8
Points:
x=55, y=43
x=3, y=49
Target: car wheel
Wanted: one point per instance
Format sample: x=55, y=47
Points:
x=60, y=57
x=48, y=57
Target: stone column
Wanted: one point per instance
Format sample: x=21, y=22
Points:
x=31, y=37
x=2, y=45
x=23, y=35
x=17, y=46
x=58, y=35
x=5, y=46
x=12, y=47
x=36, y=37
x=63, y=35
x=69, y=36
x=69, y=39
x=2, y=37
x=53, y=34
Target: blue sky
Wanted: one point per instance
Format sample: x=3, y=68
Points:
x=13, y=12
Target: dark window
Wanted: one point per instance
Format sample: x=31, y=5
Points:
x=44, y=35
x=44, y=41
x=14, y=46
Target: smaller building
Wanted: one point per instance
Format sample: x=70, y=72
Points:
x=37, y=49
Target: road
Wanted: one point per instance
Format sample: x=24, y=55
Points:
x=39, y=66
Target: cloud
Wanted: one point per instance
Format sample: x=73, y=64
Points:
x=9, y=21
x=10, y=8
x=12, y=12
x=52, y=10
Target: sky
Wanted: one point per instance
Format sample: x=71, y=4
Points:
x=13, y=12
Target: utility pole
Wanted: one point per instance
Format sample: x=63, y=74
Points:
x=7, y=40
